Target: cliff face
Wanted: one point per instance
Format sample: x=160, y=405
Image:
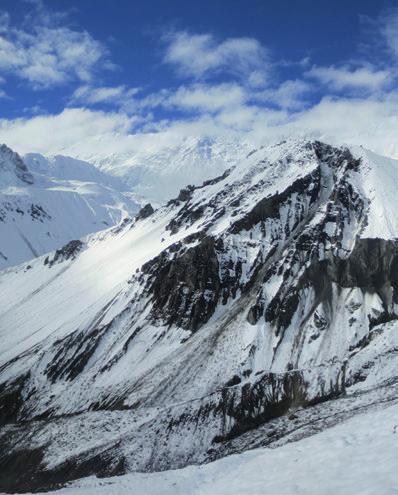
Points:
x=237, y=305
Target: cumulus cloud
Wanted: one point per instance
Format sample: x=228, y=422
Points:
x=208, y=98
x=47, y=54
x=290, y=94
x=97, y=135
x=226, y=92
x=345, y=77
x=202, y=55
x=389, y=29
x=67, y=130
x=103, y=94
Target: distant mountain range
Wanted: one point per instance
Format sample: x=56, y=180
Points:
x=157, y=176
x=44, y=203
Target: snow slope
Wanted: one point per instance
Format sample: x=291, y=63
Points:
x=356, y=457
x=200, y=329
x=54, y=202
x=379, y=179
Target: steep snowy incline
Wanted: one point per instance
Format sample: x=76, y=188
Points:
x=51, y=203
x=337, y=460
x=173, y=338
x=379, y=178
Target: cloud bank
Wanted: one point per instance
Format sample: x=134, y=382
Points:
x=224, y=88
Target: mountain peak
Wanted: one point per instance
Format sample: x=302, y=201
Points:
x=12, y=166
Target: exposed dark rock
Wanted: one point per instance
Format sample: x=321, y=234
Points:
x=272, y=396
x=38, y=213
x=185, y=194
x=145, y=212
x=186, y=289
x=235, y=380
x=270, y=207
x=11, y=399
x=23, y=470
x=69, y=251
x=72, y=354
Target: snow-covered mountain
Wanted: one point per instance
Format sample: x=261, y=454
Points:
x=157, y=175
x=45, y=203
x=250, y=311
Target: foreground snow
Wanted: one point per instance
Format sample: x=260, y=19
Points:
x=356, y=457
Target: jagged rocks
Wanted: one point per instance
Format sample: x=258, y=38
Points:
x=185, y=289
x=270, y=207
x=145, y=212
x=11, y=162
x=69, y=251
x=11, y=399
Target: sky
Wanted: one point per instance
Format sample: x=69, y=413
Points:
x=91, y=78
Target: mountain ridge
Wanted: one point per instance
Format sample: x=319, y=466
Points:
x=267, y=292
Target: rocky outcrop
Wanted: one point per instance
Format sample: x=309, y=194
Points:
x=67, y=252
x=186, y=288
x=11, y=162
x=145, y=212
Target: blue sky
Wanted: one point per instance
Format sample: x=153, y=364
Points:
x=121, y=75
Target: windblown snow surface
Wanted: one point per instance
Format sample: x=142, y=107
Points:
x=247, y=313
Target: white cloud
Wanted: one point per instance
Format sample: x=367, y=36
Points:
x=251, y=106
x=201, y=55
x=103, y=94
x=86, y=134
x=209, y=98
x=345, y=77
x=34, y=110
x=289, y=95
x=48, y=55
x=4, y=21
x=72, y=129
x=205, y=97
x=198, y=97
x=389, y=29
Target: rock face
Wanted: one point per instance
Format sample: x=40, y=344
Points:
x=268, y=290
x=11, y=166
x=145, y=212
